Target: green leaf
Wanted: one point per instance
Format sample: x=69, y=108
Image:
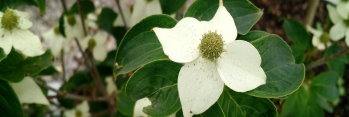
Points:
x=302, y=103
x=42, y=5
x=158, y=82
x=233, y=104
x=106, y=19
x=140, y=45
x=9, y=103
x=125, y=104
x=171, y=6
x=325, y=85
x=337, y=64
x=283, y=75
x=15, y=66
x=299, y=36
x=245, y=14
x=4, y=4
x=2, y=54
x=86, y=6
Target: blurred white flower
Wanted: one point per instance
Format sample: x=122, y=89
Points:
x=141, y=9
x=140, y=104
x=212, y=57
x=342, y=7
x=340, y=28
x=96, y=43
x=81, y=110
x=73, y=27
x=55, y=40
x=14, y=32
x=320, y=38
x=29, y=92
x=92, y=20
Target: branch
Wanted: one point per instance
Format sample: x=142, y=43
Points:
x=81, y=17
x=313, y=4
x=71, y=96
x=63, y=66
x=323, y=61
x=64, y=5
x=121, y=13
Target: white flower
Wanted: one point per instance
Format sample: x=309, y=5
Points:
x=97, y=44
x=81, y=110
x=140, y=104
x=320, y=38
x=212, y=57
x=29, y=92
x=340, y=28
x=91, y=20
x=141, y=10
x=342, y=7
x=55, y=40
x=73, y=27
x=14, y=33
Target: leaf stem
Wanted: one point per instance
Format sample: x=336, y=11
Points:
x=323, y=61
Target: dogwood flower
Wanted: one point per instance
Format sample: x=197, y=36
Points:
x=81, y=110
x=340, y=28
x=144, y=8
x=96, y=44
x=14, y=33
x=73, y=27
x=320, y=38
x=342, y=7
x=55, y=40
x=212, y=57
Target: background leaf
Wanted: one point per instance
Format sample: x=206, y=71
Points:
x=105, y=19
x=171, y=6
x=15, y=66
x=284, y=76
x=140, y=45
x=299, y=36
x=158, y=82
x=2, y=54
x=245, y=14
x=9, y=103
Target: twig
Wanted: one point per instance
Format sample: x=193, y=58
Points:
x=71, y=96
x=63, y=67
x=325, y=60
x=121, y=13
x=313, y=4
x=81, y=17
x=64, y=5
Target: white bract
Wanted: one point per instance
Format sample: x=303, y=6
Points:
x=81, y=110
x=29, y=92
x=14, y=32
x=212, y=57
x=342, y=7
x=96, y=44
x=320, y=38
x=141, y=9
x=73, y=27
x=55, y=40
x=340, y=28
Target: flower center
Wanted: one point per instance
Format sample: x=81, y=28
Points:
x=92, y=43
x=325, y=37
x=211, y=46
x=346, y=22
x=71, y=20
x=56, y=30
x=9, y=20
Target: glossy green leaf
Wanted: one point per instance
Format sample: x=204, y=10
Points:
x=245, y=14
x=233, y=104
x=299, y=36
x=284, y=76
x=15, y=66
x=302, y=103
x=171, y=6
x=158, y=82
x=140, y=45
x=106, y=18
x=2, y=54
x=9, y=103
x=125, y=104
x=325, y=85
